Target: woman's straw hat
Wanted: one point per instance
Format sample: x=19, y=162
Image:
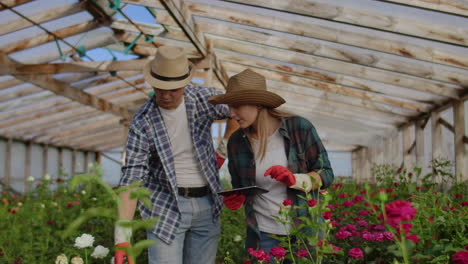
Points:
x=169, y=70
x=247, y=87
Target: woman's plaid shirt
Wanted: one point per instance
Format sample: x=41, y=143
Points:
x=304, y=151
x=149, y=157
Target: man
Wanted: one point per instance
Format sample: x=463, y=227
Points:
x=169, y=149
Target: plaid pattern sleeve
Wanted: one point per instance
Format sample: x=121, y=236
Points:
x=137, y=148
x=149, y=157
x=305, y=153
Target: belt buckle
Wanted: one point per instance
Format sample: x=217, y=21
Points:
x=185, y=192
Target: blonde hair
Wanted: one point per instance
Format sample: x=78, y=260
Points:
x=262, y=128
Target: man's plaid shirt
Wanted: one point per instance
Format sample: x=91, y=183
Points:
x=149, y=157
x=304, y=151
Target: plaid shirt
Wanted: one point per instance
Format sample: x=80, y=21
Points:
x=304, y=151
x=149, y=157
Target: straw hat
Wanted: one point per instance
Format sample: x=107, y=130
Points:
x=169, y=70
x=247, y=87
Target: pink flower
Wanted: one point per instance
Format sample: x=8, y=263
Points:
x=278, y=252
x=358, y=198
x=335, y=248
x=398, y=211
x=388, y=235
x=458, y=195
x=413, y=238
x=460, y=257
x=330, y=206
x=342, y=234
x=465, y=203
x=260, y=255
x=362, y=223
x=312, y=202
x=356, y=253
x=342, y=195
x=348, y=203
x=363, y=212
x=302, y=253
x=327, y=215
x=287, y=202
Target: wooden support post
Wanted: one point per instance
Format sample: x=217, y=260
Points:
x=97, y=157
x=419, y=139
x=27, y=167
x=354, y=160
x=436, y=139
x=407, y=148
x=461, y=157
x=366, y=165
x=60, y=161
x=73, y=163
x=45, y=159
x=85, y=165
x=7, y=169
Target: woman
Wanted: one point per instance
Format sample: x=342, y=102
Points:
x=269, y=143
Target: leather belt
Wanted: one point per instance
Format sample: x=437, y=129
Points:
x=193, y=192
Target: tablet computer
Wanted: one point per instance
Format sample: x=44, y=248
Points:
x=249, y=190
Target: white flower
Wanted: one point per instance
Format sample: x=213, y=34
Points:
x=47, y=177
x=237, y=238
x=100, y=252
x=42, y=205
x=112, y=260
x=94, y=199
x=30, y=179
x=54, y=203
x=84, y=241
x=77, y=260
x=83, y=192
x=61, y=259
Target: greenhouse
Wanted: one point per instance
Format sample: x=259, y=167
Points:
x=384, y=84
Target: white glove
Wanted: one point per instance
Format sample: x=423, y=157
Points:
x=222, y=148
x=304, y=182
x=122, y=233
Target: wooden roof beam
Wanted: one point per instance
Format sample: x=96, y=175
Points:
x=42, y=17
x=183, y=17
x=334, y=32
x=13, y=3
x=44, y=38
x=420, y=23
x=49, y=83
x=449, y=6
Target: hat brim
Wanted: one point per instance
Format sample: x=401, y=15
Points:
x=254, y=97
x=166, y=85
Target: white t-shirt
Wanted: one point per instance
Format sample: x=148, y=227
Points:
x=267, y=205
x=187, y=168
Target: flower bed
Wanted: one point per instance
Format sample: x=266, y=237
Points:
x=393, y=221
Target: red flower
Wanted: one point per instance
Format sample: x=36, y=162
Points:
x=465, y=203
x=398, y=211
x=327, y=215
x=460, y=257
x=278, y=252
x=413, y=238
x=287, y=202
x=312, y=202
x=59, y=180
x=356, y=253
x=50, y=222
x=458, y=195
x=260, y=255
x=302, y=253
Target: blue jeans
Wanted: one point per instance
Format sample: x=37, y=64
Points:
x=196, y=239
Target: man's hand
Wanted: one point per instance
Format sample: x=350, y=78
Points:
x=120, y=254
x=281, y=174
x=234, y=201
x=122, y=236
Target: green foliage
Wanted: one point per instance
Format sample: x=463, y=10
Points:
x=42, y=224
x=231, y=241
